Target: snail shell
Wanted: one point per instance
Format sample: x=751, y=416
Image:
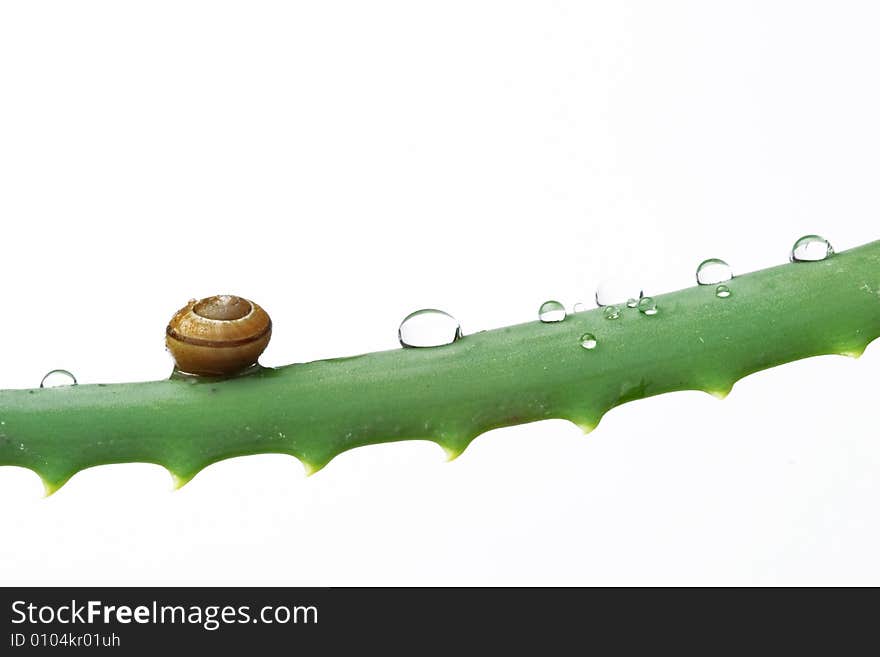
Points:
x=218, y=336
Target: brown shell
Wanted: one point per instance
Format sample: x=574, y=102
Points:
x=218, y=336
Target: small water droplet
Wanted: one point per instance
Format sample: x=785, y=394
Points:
x=611, y=312
x=617, y=291
x=713, y=271
x=551, y=311
x=647, y=306
x=588, y=341
x=722, y=292
x=579, y=307
x=57, y=379
x=632, y=303
x=811, y=248
x=428, y=328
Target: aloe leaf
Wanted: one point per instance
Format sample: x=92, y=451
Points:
x=697, y=340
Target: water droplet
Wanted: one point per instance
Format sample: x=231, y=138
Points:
x=428, y=328
x=617, y=291
x=647, y=306
x=810, y=248
x=588, y=341
x=722, y=292
x=611, y=312
x=551, y=311
x=713, y=271
x=579, y=307
x=57, y=379
x=632, y=303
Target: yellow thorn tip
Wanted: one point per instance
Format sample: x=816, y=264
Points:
x=719, y=394
x=179, y=482
x=311, y=468
x=451, y=454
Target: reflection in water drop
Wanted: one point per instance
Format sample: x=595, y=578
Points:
x=551, y=311
x=811, y=248
x=722, y=292
x=647, y=306
x=713, y=271
x=611, y=312
x=588, y=341
x=57, y=379
x=428, y=328
x=617, y=291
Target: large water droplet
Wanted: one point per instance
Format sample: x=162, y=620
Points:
x=589, y=341
x=810, y=248
x=611, y=312
x=713, y=271
x=617, y=291
x=551, y=311
x=722, y=292
x=647, y=306
x=57, y=379
x=428, y=328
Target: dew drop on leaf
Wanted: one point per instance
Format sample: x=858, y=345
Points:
x=647, y=306
x=428, y=328
x=588, y=341
x=713, y=271
x=722, y=292
x=611, y=312
x=551, y=311
x=58, y=379
x=811, y=248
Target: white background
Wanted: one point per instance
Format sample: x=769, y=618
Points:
x=344, y=163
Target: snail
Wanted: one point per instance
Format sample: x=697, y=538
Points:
x=218, y=336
